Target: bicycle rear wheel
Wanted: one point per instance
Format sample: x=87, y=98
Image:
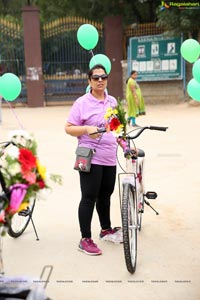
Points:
x=129, y=226
x=20, y=220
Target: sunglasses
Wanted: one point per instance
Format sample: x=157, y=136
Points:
x=97, y=77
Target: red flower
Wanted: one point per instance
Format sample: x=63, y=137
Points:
x=27, y=159
x=114, y=123
x=41, y=183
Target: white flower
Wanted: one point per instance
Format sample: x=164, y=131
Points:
x=14, y=168
x=20, y=137
x=13, y=152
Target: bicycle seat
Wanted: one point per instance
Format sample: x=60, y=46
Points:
x=141, y=153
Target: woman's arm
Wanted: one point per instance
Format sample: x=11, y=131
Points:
x=133, y=89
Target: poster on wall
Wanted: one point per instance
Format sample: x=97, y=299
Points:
x=156, y=57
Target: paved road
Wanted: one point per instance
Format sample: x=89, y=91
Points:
x=168, y=250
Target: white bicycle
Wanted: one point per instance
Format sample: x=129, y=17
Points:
x=133, y=196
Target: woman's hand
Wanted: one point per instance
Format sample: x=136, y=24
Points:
x=92, y=131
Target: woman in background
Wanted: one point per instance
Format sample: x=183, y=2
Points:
x=135, y=100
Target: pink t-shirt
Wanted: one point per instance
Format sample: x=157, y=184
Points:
x=87, y=110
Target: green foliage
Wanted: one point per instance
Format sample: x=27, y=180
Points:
x=56, y=178
x=172, y=20
x=138, y=11
x=175, y=21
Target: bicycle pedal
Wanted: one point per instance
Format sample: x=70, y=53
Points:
x=151, y=195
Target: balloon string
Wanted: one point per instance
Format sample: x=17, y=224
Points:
x=16, y=117
x=93, y=56
x=91, y=52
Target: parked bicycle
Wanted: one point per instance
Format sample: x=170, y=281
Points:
x=25, y=287
x=21, y=219
x=133, y=196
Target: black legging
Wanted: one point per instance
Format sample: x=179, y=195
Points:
x=96, y=187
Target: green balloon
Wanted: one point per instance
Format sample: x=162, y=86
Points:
x=196, y=70
x=102, y=60
x=193, y=89
x=190, y=50
x=88, y=89
x=87, y=36
x=10, y=86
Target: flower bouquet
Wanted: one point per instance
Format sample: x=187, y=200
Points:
x=116, y=119
x=23, y=174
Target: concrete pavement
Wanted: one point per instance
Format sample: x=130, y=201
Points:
x=168, y=245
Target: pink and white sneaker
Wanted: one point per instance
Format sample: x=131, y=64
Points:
x=112, y=235
x=87, y=246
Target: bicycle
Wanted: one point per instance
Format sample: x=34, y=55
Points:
x=21, y=219
x=133, y=196
x=25, y=287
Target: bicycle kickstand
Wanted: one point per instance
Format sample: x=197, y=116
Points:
x=37, y=238
x=147, y=203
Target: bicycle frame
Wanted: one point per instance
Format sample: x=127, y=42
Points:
x=134, y=175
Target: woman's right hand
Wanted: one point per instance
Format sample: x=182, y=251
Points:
x=92, y=131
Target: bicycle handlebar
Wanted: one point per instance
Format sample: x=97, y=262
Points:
x=158, y=128
x=140, y=130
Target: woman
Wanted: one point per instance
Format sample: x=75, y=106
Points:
x=135, y=100
x=85, y=118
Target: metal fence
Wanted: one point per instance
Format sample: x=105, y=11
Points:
x=12, y=52
x=65, y=62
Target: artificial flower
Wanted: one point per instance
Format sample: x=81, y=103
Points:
x=13, y=152
x=41, y=184
x=2, y=216
x=18, y=192
x=114, y=124
x=14, y=168
x=41, y=169
x=112, y=120
x=27, y=159
x=23, y=174
x=23, y=206
x=30, y=177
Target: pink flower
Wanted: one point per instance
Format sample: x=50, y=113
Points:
x=2, y=216
x=18, y=192
x=29, y=176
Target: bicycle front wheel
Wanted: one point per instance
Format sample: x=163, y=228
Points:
x=129, y=226
x=20, y=220
x=140, y=194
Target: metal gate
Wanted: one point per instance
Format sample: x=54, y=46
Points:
x=65, y=62
x=12, y=52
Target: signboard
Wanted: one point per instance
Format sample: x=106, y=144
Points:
x=155, y=57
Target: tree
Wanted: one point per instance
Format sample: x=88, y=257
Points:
x=138, y=11
x=172, y=20
x=175, y=21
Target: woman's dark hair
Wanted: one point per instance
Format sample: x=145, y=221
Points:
x=98, y=66
x=132, y=72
